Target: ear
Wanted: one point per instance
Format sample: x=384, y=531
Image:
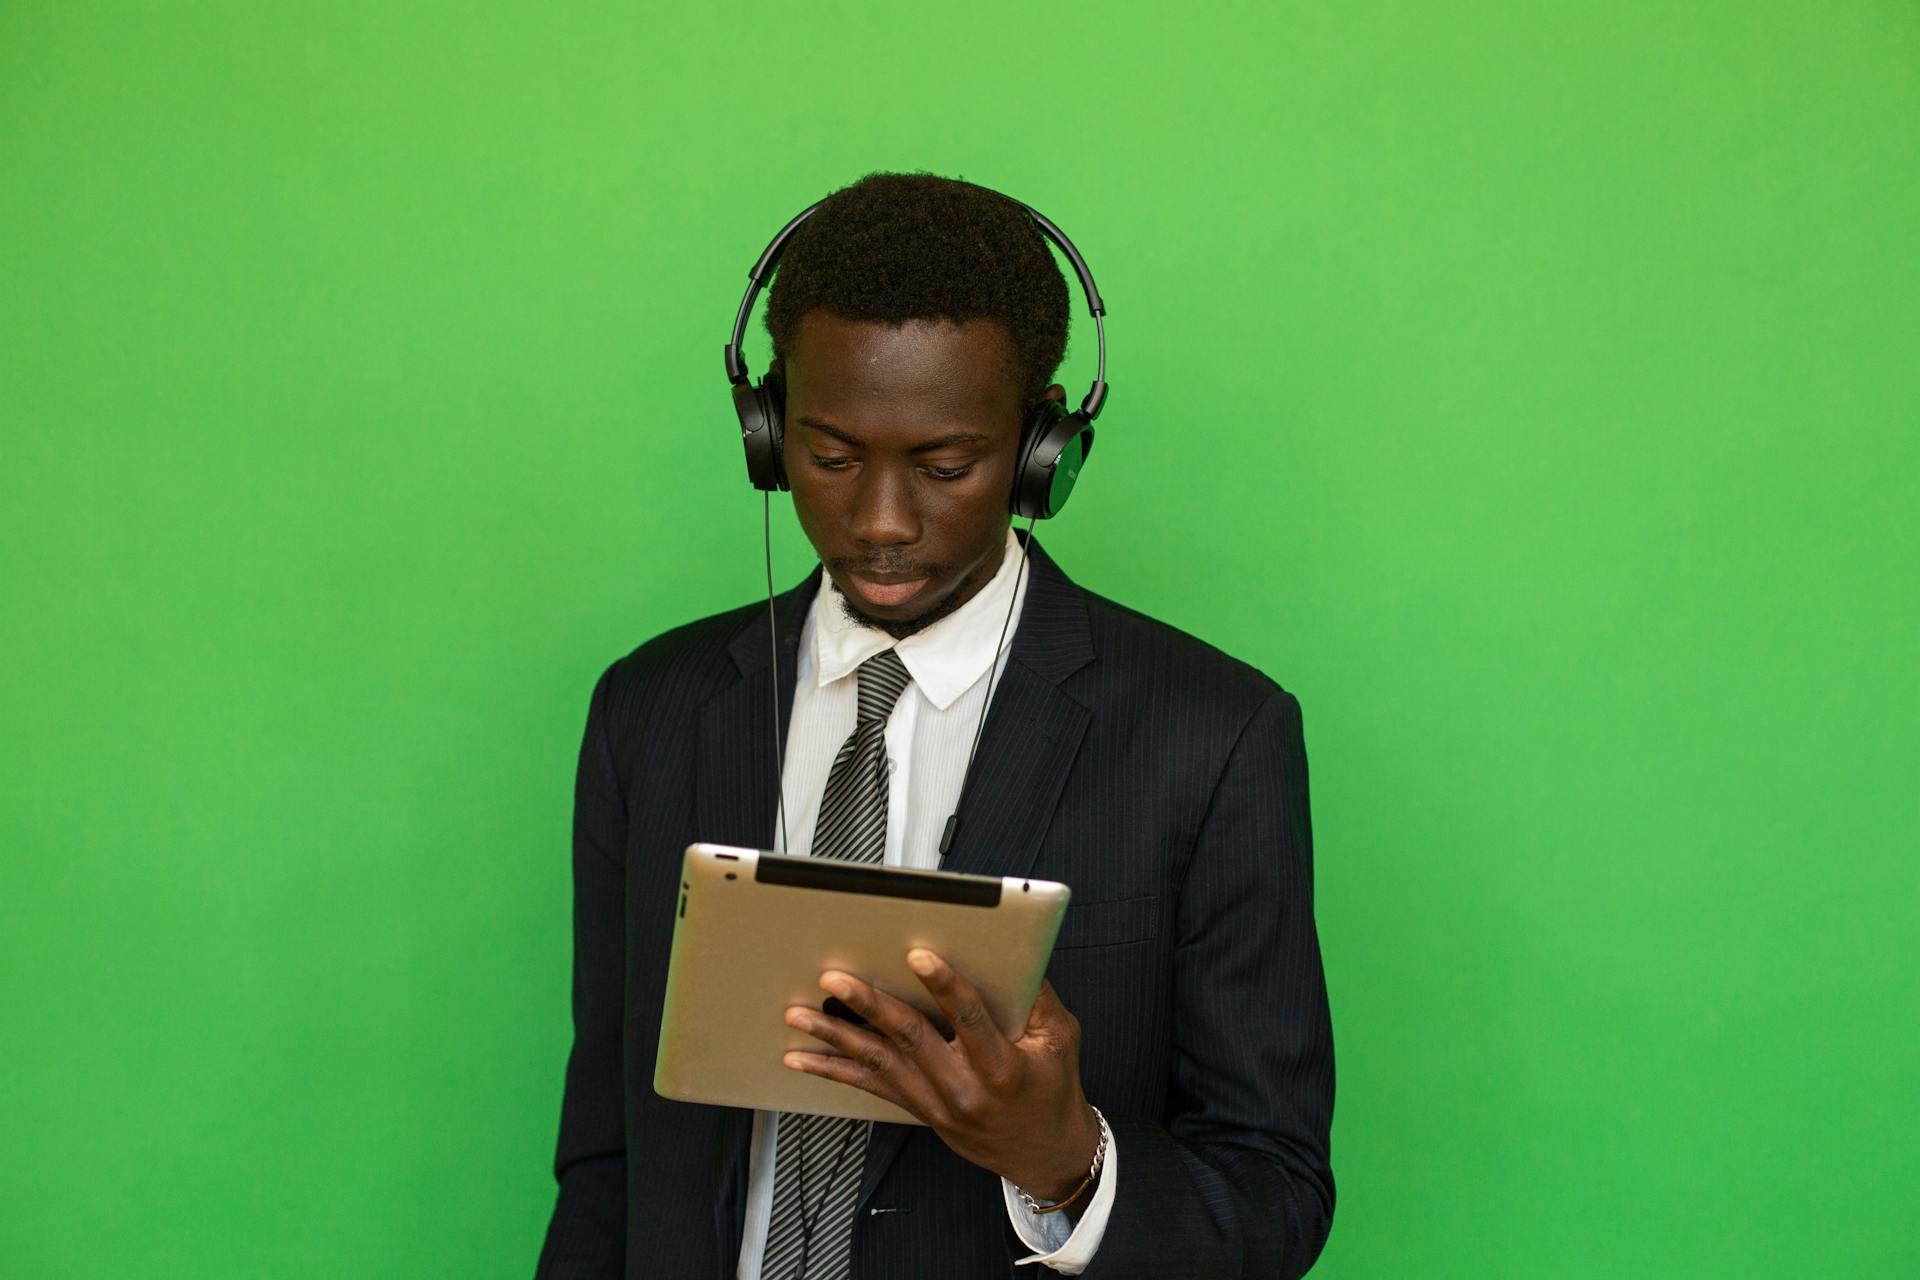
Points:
x=1055, y=393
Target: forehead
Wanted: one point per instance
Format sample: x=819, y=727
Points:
x=929, y=372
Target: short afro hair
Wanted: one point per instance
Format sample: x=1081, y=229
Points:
x=895, y=247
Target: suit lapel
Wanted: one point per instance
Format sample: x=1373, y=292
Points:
x=1032, y=734
x=1033, y=731
x=737, y=787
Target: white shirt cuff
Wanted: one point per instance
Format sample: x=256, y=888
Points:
x=1058, y=1243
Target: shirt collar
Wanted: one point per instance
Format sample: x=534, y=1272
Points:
x=946, y=658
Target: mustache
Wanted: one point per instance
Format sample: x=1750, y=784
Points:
x=894, y=564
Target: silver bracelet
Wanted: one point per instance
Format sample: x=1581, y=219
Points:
x=1093, y=1174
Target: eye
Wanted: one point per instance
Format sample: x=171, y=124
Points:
x=836, y=463
x=949, y=473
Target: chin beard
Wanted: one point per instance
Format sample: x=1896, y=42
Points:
x=900, y=629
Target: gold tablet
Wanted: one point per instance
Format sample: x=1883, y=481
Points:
x=755, y=930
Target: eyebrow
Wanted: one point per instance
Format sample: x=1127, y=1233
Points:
x=927, y=446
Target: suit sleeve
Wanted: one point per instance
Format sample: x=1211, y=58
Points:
x=586, y=1236
x=1237, y=1182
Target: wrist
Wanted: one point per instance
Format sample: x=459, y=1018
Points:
x=1065, y=1181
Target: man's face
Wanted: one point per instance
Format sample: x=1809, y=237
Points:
x=899, y=448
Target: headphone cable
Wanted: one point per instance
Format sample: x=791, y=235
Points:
x=773, y=645
x=993, y=667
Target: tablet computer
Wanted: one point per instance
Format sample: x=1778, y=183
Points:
x=755, y=930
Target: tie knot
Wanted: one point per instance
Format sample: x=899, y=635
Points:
x=883, y=678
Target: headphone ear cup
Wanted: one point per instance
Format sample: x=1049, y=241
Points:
x=761, y=408
x=773, y=397
x=1053, y=448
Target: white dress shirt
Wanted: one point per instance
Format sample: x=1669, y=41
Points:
x=928, y=737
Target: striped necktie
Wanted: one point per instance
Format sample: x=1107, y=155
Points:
x=818, y=1160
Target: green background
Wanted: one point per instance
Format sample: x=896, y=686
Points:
x=1532, y=389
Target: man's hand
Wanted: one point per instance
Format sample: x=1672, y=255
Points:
x=1010, y=1106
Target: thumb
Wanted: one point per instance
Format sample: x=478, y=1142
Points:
x=1049, y=1016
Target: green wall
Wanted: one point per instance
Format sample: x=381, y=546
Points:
x=1532, y=389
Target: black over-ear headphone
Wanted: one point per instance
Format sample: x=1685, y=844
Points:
x=1053, y=443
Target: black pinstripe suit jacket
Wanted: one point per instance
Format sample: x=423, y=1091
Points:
x=1164, y=781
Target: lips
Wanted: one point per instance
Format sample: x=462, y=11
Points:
x=886, y=590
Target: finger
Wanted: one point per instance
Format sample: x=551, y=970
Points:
x=1049, y=1019
x=874, y=1057
x=847, y=1071
x=844, y=1036
x=890, y=1045
x=904, y=1026
x=876, y=1054
x=973, y=1026
x=1047, y=1009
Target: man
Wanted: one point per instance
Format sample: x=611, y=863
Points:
x=1165, y=1112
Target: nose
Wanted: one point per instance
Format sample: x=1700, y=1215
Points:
x=884, y=509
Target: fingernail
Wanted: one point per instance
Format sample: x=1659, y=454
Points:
x=791, y=1060
x=921, y=962
x=836, y=984
x=797, y=1019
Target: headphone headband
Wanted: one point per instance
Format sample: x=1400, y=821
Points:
x=1090, y=405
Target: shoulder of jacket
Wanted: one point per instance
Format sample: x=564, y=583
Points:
x=688, y=657
x=1177, y=661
